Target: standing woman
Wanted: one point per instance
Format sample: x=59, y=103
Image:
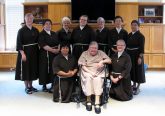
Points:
x=64, y=33
x=102, y=35
x=49, y=48
x=27, y=60
x=135, y=48
x=117, y=33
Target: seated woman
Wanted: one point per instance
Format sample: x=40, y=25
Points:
x=65, y=68
x=120, y=75
x=92, y=71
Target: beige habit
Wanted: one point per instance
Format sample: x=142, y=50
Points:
x=90, y=84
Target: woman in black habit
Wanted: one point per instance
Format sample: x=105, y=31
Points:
x=120, y=74
x=27, y=60
x=49, y=48
x=135, y=48
x=81, y=36
x=64, y=34
x=117, y=33
x=64, y=68
x=102, y=35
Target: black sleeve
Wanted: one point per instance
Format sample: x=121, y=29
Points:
x=110, y=39
x=55, y=65
x=72, y=37
x=93, y=35
x=142, y=42
x=41, y=40
x=19, y=40
x=127, y=67
x=125, y=36
x=75, y=63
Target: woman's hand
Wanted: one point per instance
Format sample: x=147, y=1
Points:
x=114, y=80
x=139, y=61
x=55, y=51
x=114, y=50
x=100, y=64
x=23, y=55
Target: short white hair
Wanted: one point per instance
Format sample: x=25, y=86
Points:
x=100, y=19
x=121, y=41
x=65, y=19
x=93, y=43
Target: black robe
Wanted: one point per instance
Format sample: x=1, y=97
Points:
x=114, y=36
x=60, y=63
x=122, y=90
x=102, y=39
x=64, y=36
x=136, y=40
x=45, y=57
x=27, y=40
x=84, y=36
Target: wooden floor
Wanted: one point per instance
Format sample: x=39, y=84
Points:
x=14, y=101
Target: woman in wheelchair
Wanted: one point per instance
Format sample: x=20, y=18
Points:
x=92, y=70
x=64, y=68
x=120, y=75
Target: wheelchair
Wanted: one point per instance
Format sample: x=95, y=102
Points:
x=106, y=88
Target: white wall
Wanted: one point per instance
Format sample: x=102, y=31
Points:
x=2, y=1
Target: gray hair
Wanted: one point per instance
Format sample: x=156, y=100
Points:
x=93, y=43
x=65, y=19
x=122, y=41
x=101, y=19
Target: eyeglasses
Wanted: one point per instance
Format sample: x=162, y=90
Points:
x=120, y=45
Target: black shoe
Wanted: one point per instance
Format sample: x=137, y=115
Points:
x=28, y=91
x=137, y=91
x=133, y=88
x=97, y=109
x=89, y=106
x=44, y=89
x=50, y=90
x=34, y=89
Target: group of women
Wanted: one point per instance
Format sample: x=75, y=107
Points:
x=47, y=53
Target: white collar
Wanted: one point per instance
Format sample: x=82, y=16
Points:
x=66, y=57
x=48, y=32
x=119, y=54
x=30, y=27
x=66, y=30
x=118, y=29
x=133, y=32
x=82, y=27
x=101, y=29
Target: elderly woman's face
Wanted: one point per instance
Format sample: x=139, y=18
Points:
x=29, y=20
x=93, y=49
x=100, y=24
x=120, y=46
x=66, y=24
x=47, y=26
